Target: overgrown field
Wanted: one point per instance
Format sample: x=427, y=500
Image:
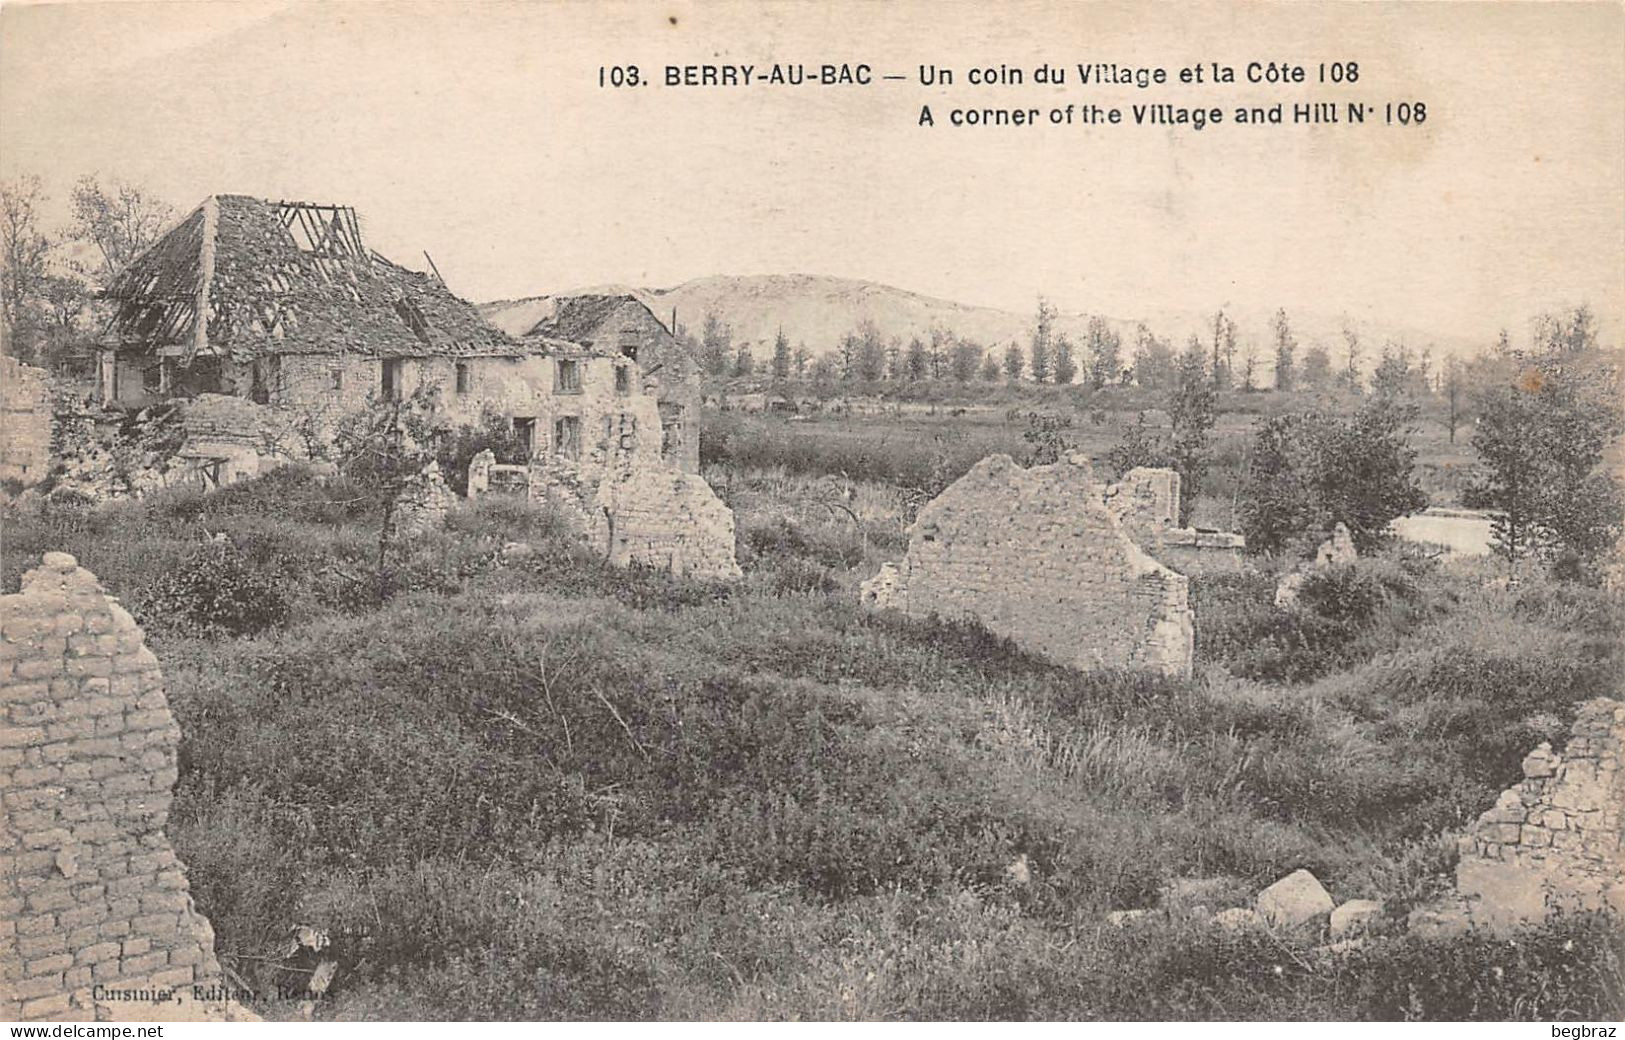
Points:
x=532, y=787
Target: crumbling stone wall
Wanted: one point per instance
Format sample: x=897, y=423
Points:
x=1146, y=502
x=25, y=422
x=93, y=901
x=650, y=516
x=1554, y=839
x=1035, y=555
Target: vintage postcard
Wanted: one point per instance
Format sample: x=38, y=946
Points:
x=763, y=510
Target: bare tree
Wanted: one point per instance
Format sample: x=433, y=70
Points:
x=27, y=251
x=120, y=221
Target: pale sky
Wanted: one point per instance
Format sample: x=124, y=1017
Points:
x=478, y=132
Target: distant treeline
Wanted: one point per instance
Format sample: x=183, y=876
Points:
x=868, y=359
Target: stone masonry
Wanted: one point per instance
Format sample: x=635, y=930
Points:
x=1146, y=502
x=1553, y=841
x=25, y=422
x=1035, y=555
x=94, y=905
x=647, y=516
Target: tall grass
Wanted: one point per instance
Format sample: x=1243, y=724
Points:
x=540, y=787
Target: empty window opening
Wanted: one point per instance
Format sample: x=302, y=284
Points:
x=525, y=432
x=465, y=378
x=337, y=376
x=623, y=379
x=567, y=436
x=569, y=381
x=390, y=381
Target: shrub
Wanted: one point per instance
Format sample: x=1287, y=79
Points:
x=216, y=589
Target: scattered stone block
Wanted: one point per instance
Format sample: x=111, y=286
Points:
x=1238, y=919
x=1127, y=918
x=1295, y=903
x=1355, y=918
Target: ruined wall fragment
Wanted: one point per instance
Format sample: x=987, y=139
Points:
x=1146, y=502
x=93, y=900
x=1553, y=841
x=25, y=422
x=1035, y=555
x=648, y=516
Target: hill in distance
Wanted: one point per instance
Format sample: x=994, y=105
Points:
x=818, y=311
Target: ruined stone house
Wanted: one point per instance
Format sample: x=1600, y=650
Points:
x=619, y=324
x=281, y=304
x=272, y=320
x=1035, y=555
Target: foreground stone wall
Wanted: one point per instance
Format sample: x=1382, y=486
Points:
x=93, y=901
x=25, y=422
x=1035, y=555
x=1554, y=839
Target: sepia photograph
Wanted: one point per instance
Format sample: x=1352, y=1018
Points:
x=786, y=511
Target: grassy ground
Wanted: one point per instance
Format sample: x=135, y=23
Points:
x=927, y=450
x=546, y=789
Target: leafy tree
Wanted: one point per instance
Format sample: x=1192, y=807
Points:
x=965, y=359
x=1153, y=360
x=1105, y=349
x=1043, y=336
x=1224, y=349
x=1013, y=363
x=1541, y=437
x=1308, y=472
x=744, y=362
x=990, y=368
x=1276, y=505
x=1392, y=378
x=781, y=356
x=1317, y=368
x=1454, y=391
x=916, y=360
x=1191, y=416
x=1139, y=447
x=1349, y=376
x=1066, y=367
x=871, y=352
x=383, y=450
x=1048, y=437
x=802, y=357
x=1286, y=347
x=937, y=352
x=716, y=346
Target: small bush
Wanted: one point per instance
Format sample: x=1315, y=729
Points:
x=217, y=589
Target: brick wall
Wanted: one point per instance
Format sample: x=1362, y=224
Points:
x=93, y=901
x=25, y=422
x=1035, y=555
x=1554, y=839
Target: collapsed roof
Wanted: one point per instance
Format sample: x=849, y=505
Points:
x=290, y=278
x=576, y=318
